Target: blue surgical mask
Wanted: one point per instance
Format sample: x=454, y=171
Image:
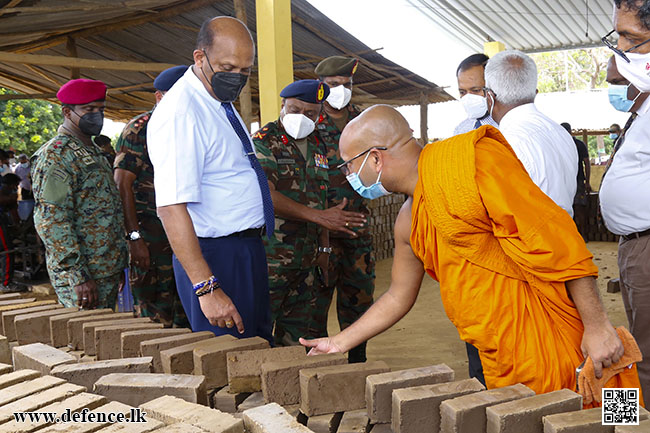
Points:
x=618, y=97
x=613, y=136
x=371, y=192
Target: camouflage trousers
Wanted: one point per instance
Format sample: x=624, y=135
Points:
x=106, y=289
x=352, y=275
x=154, y=289
x=299, y=304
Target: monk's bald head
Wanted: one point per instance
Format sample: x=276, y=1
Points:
x=378, y=126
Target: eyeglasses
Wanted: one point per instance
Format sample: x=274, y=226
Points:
x=618, y=51
x=344, y=166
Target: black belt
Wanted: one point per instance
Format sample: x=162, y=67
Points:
x=249, y=233
x=636, y=235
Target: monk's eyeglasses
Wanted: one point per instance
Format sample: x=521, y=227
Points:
x=617, y=50
x=344, y=166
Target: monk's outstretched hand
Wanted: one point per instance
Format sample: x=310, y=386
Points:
x=603, y=346
x=321, y=346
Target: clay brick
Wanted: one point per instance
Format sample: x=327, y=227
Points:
x=23, y=389
x=9, y=296
x=210, y=358
x=466, y=414
x=5, y=352
x=59, y=324
x=146, y=427
x=381, y=428
x=36, y=401
x=328, y=423
x=379, y=387
x=226, y=401
x=171, y=410
x=6, y=368
x=89, y=427
x=40, y=357
x=4, y=308
x=6, y=302
x=281, y=380
x=254, y=400
x=613, y=286
x=180, y=360
x=87, y=373
x=75, y=326
x=245, y=367
x=272, y=418
x=138, y=388
x=154, y=347
x=108, y=338
x=8, y=317
x=417, y=409
x=89, y=340
x=130, y=340
x=18, y=376
x=526, y=415
x=643, y=427
x=35, y=327
x=74, y=403
x=336, y=388
x=180, y=427
x=582, y=421
x=354, y=421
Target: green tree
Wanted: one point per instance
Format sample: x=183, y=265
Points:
x=570, y=70
x=26, y=124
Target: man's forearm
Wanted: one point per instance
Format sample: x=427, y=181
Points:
x=290, y=209
x=184, y=242
x=585, y=295
x=128, y=202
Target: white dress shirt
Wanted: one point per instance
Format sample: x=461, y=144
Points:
x=546, y=150
x=470, y=124
x=625, y=192
x=199, y=160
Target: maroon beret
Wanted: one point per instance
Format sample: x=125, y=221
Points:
x=81, y=91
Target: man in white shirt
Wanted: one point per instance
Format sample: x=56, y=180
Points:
x=471, y=87
x=211, y=192
x=625, y=190
x=545, y=148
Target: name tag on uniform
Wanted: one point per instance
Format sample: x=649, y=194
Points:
x=286, y=161
x=321, y=161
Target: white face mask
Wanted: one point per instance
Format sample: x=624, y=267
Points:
x=475, y=105
x=298, y=126
x=339, y=97
x=637, y=71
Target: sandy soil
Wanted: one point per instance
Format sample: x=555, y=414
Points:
x=425, y=336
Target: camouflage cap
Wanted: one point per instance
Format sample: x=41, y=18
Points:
x=337, y=65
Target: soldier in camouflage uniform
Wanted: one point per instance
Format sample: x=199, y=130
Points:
x=151, y=273
x=352, y=263
x=78, y=213
x=293, y=158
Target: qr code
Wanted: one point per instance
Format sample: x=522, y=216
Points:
x=620, y=406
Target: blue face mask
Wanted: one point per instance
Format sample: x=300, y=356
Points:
x=613, y=136
x=371, y=192
x=618, y=97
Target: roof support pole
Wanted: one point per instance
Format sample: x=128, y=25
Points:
x=245, y=99
x=424, y=127
x=493, y=47
x=275, y=54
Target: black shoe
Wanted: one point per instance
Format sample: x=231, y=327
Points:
x=13, y=288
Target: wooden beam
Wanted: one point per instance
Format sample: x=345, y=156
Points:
x=11, y=96
x=39, y=59
x=6, y=8
x=245, y=99
x=424, y=118
x=172, y=10
x=71, y=46
x=44, y=75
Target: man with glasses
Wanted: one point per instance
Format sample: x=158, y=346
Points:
x=471, y=87
x=516, y=278
x=352, y=262
x=625, y=190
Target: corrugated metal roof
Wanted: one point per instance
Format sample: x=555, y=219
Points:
x=526, y=25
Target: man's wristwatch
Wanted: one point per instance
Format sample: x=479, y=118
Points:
x=326, y=250
x=134, y=236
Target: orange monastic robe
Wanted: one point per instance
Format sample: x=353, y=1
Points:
x=501, y=250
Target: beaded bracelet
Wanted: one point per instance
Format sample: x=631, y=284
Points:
x=202, y=284
x=211, y=288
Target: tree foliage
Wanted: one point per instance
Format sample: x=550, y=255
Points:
x=26, y=124
x=570, y=70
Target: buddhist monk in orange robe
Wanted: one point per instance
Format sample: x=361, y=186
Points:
x=515, y=275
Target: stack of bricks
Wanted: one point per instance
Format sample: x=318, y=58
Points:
x=195, y=382
x=596, y=229
x=383, y=212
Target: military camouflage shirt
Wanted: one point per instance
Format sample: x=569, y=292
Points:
x=303, y=180
x=132, y=155
x=339, y=187
x=78, y=212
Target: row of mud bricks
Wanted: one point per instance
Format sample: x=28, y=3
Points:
x=383, y=212
x=56, y=359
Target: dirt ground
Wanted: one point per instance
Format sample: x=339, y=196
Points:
x=425, y=336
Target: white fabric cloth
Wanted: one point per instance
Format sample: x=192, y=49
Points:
x=625, y=192
x=198, y=159
x=470, y=124
x=546, y=150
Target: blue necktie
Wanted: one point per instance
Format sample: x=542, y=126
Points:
x=267, y=202
x=477, y=125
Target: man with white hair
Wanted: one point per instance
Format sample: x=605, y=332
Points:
x=545, y=148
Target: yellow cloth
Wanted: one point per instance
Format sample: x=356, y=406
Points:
x=501, y=250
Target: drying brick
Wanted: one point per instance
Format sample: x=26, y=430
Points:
x=40, y=357
x=75, y=326
x=245, y=367
x=272, y=418
x=8, y=317
x=138, y=388
x=35, y=327
x=108, y=338
x=87, y=373
x=130, y=340
x=180, y=359
x=154, y=347
x=89, y=338
x=59, y=324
